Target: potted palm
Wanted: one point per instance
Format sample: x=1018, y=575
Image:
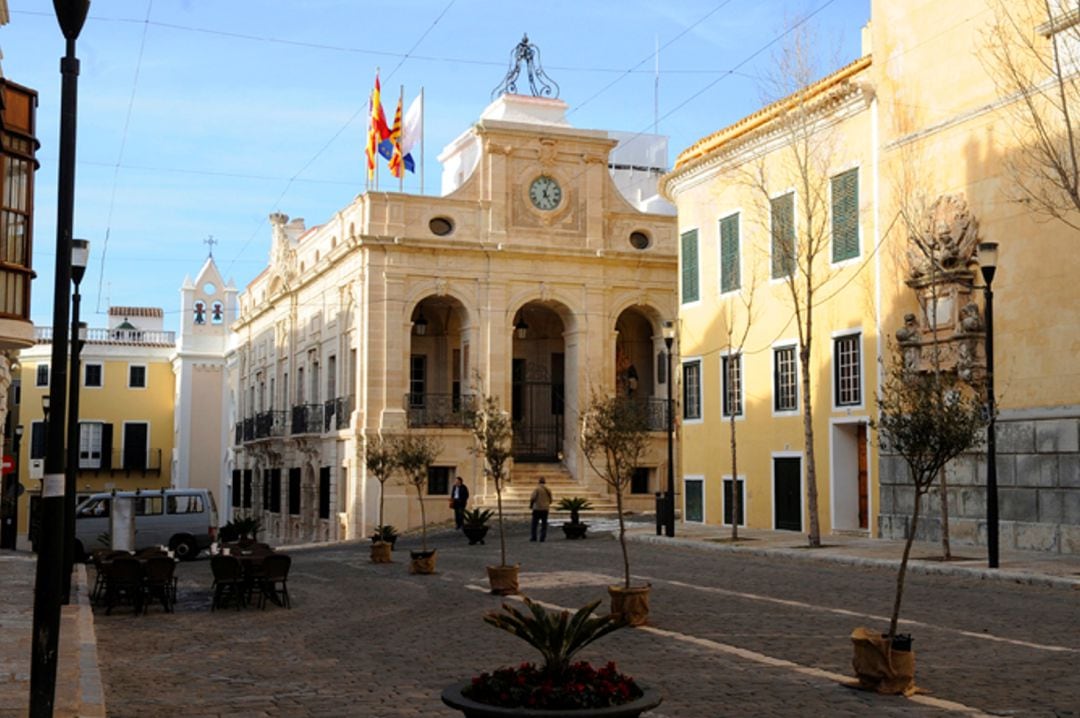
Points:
x=380, y=458
x=558, y=687
x=574, y=528
x=614, y=437
x=415, y=454
x=493, y=432
x=475, y=524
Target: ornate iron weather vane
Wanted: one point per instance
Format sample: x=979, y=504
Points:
x=539, y=83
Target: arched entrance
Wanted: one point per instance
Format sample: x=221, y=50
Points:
x=438, y=363
x=641, y=366
x=538, y=384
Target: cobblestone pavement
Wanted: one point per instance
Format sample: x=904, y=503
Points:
x=729, y=635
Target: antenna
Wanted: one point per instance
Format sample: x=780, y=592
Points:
x=656, y=90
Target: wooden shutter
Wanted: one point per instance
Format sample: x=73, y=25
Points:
x=324, y=492
x=690, y=267
x=845, y=215
x=236, y=488
x=729, y=253
x=783, y=235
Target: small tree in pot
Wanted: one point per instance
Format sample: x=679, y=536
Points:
x=614, y=437
x=380, y=457
x=574, y=528
x=928, y=419
x=415, y=454
x=494, y=433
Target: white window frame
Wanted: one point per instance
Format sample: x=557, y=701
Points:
x=146, y=376
x=101, y=367
x=741, y=398
x=858, y=184
x=704, y=496
x=700, y=392
x=87, y=444
x=786, y=344
x=835, y=390
x=741, y=484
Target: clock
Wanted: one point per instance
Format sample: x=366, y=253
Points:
x=545, y=193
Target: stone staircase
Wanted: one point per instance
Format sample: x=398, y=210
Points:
x=523, y=478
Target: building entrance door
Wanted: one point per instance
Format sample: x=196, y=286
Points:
x=787, y=494
x=537, y=410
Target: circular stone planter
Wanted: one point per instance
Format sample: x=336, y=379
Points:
x=452, y=697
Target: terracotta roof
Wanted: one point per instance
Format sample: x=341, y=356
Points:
x=751, y=122
x=136, y=312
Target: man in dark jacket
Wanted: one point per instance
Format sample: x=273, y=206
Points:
x=459, y=497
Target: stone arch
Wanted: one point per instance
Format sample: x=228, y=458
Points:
x=438, y=360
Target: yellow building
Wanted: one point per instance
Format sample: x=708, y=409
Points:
x=125, y=407
x=896, y=150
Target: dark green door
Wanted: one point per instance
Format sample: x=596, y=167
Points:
x=787, y=495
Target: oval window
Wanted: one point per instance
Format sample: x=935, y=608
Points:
x=441, y=226
x=209, y=288
x=639, y=240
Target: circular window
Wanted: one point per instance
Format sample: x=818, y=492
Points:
x=209, y=288
x=441, y=226
x=639, y=240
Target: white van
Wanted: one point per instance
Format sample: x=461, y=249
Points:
x=185, y=520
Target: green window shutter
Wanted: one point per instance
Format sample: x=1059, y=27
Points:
x=729, y=253
x=783, y=235
x=690, y=267
x=845, y=215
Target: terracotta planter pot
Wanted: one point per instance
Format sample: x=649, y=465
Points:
x=882, y=667
x=452, y=697
x=380, y=552
x=632, y=604
x=574, y=531
x=475, y=534
x=422, y=561
x=503, y=579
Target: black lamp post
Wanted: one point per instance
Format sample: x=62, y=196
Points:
x=80, y=255
x=46, y=628
x=988, y=265
x=669, y=505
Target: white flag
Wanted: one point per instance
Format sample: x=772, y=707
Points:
x=412, y=126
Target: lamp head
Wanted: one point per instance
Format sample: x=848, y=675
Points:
x=669, y=333
x=45, y=403
x=521, y=329
x=19, y=430
x=988, y=260
x=80, y=257
x=420, y=325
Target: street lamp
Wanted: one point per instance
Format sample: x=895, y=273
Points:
x=669, y=505
x=70, y=14
x=80, y=256
x=988, y=265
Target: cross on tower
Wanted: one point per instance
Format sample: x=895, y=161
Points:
x=210, y=242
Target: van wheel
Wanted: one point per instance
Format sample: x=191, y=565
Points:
x=184, y=547
x=79, y=553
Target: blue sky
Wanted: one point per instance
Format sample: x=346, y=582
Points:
x=200, y=117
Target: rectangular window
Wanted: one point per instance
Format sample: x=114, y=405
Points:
x=785, y=382
x=848, y=370
x=294, y=492
x=731, y=370
x=690, y=267
x=136, y=376
x=729, y=502
x=694, y=496
x=417, y=379
x=148, y=505
x=42, y=377
x=692, y=389
x=37, y=440
x=266, y=490
x=845, y=215
x=247, y=488
x=324, y=492
x=438, y=480
x=236, y=474
x=192, y=504
x=783, y=235
x=639, y=480
x=729, y=253
x=275, y=491
x=90, y=444
x=92, y=375
x=331, y=377
x=136, y=445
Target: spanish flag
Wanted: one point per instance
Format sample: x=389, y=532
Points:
x=377, y=129
x=397, y=166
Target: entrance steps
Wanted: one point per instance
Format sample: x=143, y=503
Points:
x=559, y=481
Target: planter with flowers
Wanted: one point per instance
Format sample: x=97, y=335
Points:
x=558, y=688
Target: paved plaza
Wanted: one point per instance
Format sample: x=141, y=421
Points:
x=757, y=630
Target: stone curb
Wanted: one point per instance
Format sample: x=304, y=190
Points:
x=1030, y=578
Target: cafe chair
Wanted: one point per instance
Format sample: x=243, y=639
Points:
x=159, y=581
x=123, y=583
x=228, y=581
x=274, y=581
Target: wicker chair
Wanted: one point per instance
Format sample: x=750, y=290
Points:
x=159, y=581
x=274, y=581
x=228, y=582
x=123, y=583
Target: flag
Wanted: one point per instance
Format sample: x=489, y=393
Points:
x=396, y=160
x=412, y=130
x=377, y=129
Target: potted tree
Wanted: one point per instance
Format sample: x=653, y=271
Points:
x=558, y=687
x=614, y=437
x=493, y=431
x=380, y=458
x=475, y=524
x=928, y=419
x=575, y=528
x=415, y=454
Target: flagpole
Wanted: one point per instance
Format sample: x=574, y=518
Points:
x=421, y=140
x=400, y=103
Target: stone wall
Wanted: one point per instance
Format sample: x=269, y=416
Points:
x=1038, y=473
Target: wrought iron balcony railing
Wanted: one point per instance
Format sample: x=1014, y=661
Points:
x=654, y=413
x=337, y=413
x=307, y=419
x=438, y=410
x=269, y=424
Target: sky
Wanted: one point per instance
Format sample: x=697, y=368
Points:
x=198, y=118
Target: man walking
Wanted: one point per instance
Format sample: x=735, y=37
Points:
x=459, y=497
x=540, y=502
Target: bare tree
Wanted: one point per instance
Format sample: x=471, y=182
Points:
x=415, y=454
x=494, y=433
x=1032, y=51
x=737, y=323
x=380, y=457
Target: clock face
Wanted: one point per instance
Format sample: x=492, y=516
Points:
x=545, y=193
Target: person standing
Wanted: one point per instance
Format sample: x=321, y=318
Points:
x=540, y=503
x=459, y=497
